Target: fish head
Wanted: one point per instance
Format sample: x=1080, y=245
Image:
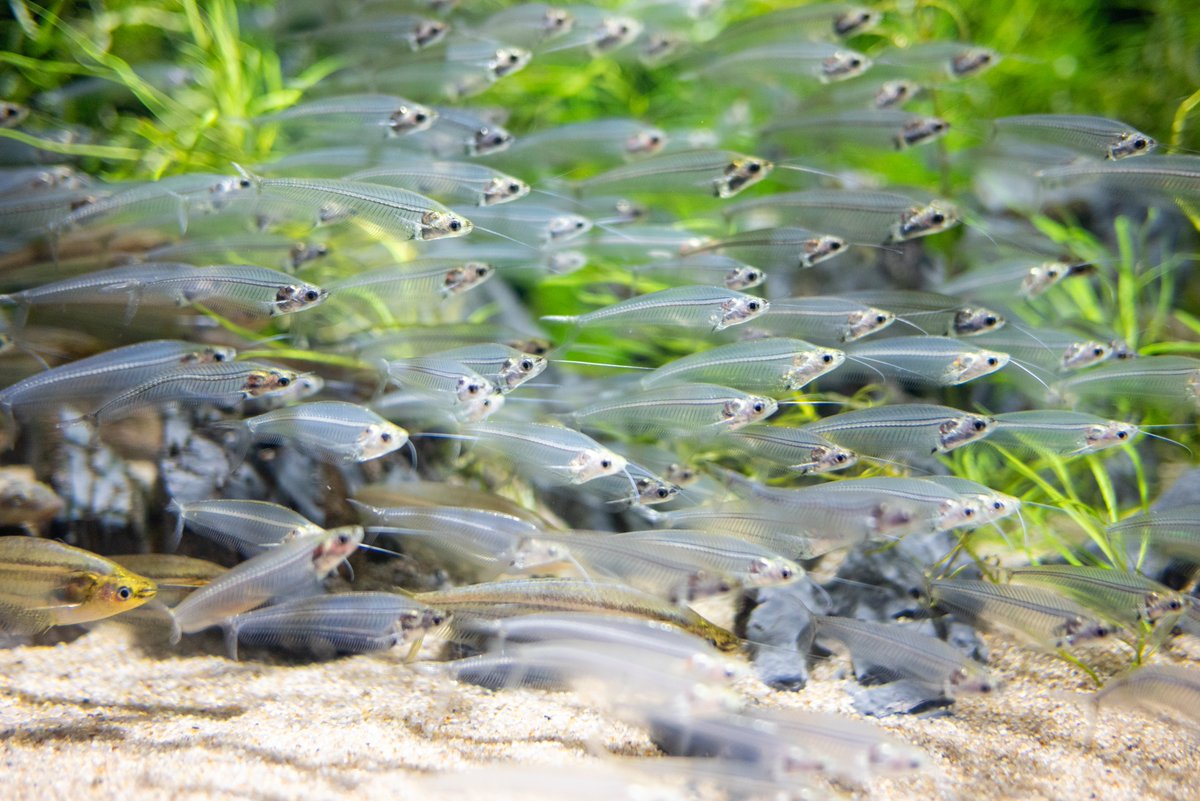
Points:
x=866, y=321
x=855, y=20
x=613, y=33
x=972, y=61
x=738, y=310
x=536, y=552
x=970, y=366
x=502, y=189
x=466, y=276
x=518, y=369
x=410, y=118
x=334, y=546
x=744, y=277
x=842, y=65
x=659, y=46
x=1121, y=350
x=765, y=571
x=12, y=114
x=971, y=680
x=591, y=463
x=534, y=346
x=441, y=224
x=628, y=211
x=564, y=262
x=1107, y=435
x=976, y=320
x=508, y=60
x=488, y=139
x=120, y=591
x=956, y=513
x=302, y=253
x=654, y=490
x=556, y=22
x=893, y=519
x=995, y=506
x=924, y=220
x=209, y=355
x=820, y=248
x=379, y=439
x=468, y=387
x=740, y=173
x=480, y=408
x=1131, y=144
x=428, y=32
x=825, y=458
x=1043, y=276
x=920, y=131
x=808, y=365
x=894, y=93
x=680, y=474
x=740, y=412
x=1160, y=604
x=266, y=381
x=959, y=431
x=1078, y=355
x=566, y=226
x=25, y=500
x=296, y=297
x=645, y=142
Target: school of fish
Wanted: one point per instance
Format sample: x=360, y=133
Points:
x=362, y=396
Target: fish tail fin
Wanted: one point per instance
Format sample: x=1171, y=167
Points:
x=176, y=631
x=231, y=640
x=236, y=440
x=172, y=544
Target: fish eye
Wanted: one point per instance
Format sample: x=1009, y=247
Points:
x=753, y=167
x=284, y=381
x=481, y=271
x=663, y=492
x=343, y=539
x=938, y=217
x=758, y=407
x=997, y=505
x=1097, y=351
x=124, y=593
x=841, y=457
x=1139, y=144
x=311, y=295
x=606, y=463
x=990, y=319
x=1122, y=435
x=526, y=364
x=514, y=188
x=421, y=116
x=979, y=425
x=856, y=62
x=455, y=225
x=244, y=183
x=218, y=356
x=753, y=305
x=835, y=245
x=992, y=361
x=880, y=318
x=968, y=512
x=385, y=437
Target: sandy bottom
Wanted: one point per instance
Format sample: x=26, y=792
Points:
x=104, y=716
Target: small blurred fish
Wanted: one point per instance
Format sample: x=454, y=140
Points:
x=783, y=247
x=772, y=365
x=861, y=216
x=324, y=626
x=793, y=448
x=721, y=173
x=1094, y=136
x=333, y=430
x=294, y=568
x=923, y=360
x=689, y=307
x=1048, y=431
x=556, y=453
x=333, y=119
x=247, y=526
x=909, y=429
x=230, y=289
x=823, y=319
x=676, y=408
x=879, y=127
